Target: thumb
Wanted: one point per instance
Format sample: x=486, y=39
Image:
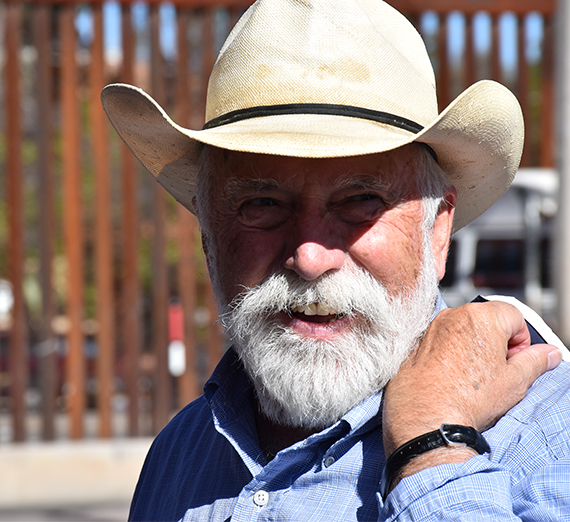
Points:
x=531, y=362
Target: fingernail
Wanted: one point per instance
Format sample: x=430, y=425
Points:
x=554, y=359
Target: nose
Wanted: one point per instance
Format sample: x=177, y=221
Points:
x=315, y=248
x=311, y=260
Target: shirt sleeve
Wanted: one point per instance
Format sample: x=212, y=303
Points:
x=480, y=490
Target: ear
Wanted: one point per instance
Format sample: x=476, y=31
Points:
x=442, y=232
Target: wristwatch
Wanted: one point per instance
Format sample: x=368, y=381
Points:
x=446, y=435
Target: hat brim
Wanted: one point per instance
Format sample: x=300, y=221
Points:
x=478, y=140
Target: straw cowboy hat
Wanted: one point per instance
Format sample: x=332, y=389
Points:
x=329, y=78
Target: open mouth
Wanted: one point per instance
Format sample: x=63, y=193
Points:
x=316, y=313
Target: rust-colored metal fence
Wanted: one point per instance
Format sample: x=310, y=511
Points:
x=101, y=275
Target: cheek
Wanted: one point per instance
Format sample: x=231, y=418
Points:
x=392, y=254
x=243, y=259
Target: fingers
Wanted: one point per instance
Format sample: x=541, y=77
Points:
x=513, y=324
x=528, y=364
x=519, y=338
x=525, y=363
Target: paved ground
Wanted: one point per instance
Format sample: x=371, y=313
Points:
x=108, y=512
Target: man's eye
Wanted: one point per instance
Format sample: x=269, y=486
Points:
x=263, y=202
x=363, y=197
x=360, y=209
x=263, y=213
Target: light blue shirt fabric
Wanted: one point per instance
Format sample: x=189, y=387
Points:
x=207, y=465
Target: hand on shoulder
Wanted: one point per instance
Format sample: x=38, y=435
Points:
x=473, y=364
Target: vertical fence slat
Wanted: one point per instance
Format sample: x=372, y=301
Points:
x=496, y=73
x=43, y=91
x=208, y=54
x=15, y=196
x=414, y=19
x=73, y=220
x=131, y=337
x=163, y=389
x=443, y=75
x=103, y=235
x=546, y=119
x=235, y=14
x=214, y=336
x=470, y=60
x=186, y=231
x=523, y=86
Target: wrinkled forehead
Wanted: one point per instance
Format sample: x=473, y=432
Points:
x=397, y=170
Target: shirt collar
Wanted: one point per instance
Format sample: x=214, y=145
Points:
x=229, y=393
x=439, y=305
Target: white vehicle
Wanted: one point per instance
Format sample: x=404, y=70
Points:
x=507, y=250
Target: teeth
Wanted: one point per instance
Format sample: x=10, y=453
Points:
x=315, y=309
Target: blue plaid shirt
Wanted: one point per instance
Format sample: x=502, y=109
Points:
x=207, y=465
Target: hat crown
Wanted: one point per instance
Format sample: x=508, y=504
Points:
x=360, y=53
x=324, y=79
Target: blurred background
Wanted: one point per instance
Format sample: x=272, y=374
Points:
x=107, y=320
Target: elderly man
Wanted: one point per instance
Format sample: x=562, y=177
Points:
x=327, y=187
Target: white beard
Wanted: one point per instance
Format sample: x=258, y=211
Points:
x=311, y=383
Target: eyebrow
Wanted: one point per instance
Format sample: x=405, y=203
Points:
x=359, y=181
x=235, y=186
x=392, y=191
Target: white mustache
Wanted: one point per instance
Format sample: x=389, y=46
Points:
x=337, y=293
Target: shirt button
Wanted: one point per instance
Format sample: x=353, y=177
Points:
x=329, y=461
x=261, y=497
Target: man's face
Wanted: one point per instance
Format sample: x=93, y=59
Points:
x=312, y=216
x=316, y=264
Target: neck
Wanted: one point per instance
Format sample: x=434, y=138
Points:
x=274, y=437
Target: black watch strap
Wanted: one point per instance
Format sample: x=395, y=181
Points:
x=447, y=434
